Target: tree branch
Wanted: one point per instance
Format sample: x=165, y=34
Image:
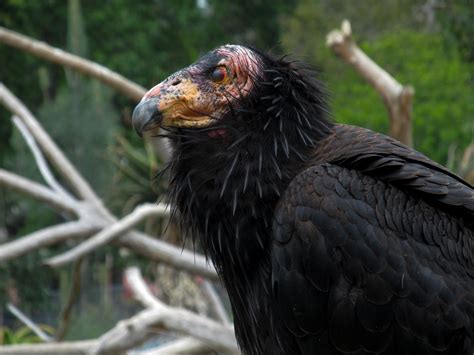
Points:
x=90, y=210
x=133, y=331
x=81, y=347
x=45, y=237
x=37, y=191
x=84, y=66
x=55, y=155
x=155, y=249
x=40, y=160
x=140, y=289
x=397, y=98
x=183, y=346
x=108, y=233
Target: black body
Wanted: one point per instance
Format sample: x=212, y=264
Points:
x=330, y=239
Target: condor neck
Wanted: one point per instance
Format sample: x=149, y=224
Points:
x=226, y=180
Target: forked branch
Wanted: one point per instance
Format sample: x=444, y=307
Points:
x=93, y=216
x=109, y=233
x=135, y=330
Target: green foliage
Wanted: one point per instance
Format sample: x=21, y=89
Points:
x=22, y=335
x=443, y=108
x=443, y=103
x=457, y=22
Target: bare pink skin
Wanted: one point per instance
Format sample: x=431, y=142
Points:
x=194, y=99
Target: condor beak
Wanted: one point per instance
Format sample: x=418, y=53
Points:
x=172, y=103
x=146, y=116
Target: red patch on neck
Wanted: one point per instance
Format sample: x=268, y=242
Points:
x=218, y=133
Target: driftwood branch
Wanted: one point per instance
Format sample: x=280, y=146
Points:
x=132, y=332
x=37, y=191
x=41, y=162
x=55, y=155
x=184, y=346
x=397, y=98
x=141, y=291
x=64, y=348
x=143, y=294
x=136, y=330
x=110, y=232
x=68, y=60
x=157, y=250
x=44, y=237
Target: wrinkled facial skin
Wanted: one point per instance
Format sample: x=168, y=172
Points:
x=197, y=96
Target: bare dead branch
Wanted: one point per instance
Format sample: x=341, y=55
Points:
x=55, y=155
x=397, y=98
x=91, y=211
x=108, y=233
x=183, y=346
x=39, y=158
x=81, y=347
x=133, y=331
x=155, y=249
x=45, y=237
x=140, y=289
x=142, y=293
x=84, y=66
x=37, y=191
x=29, y=323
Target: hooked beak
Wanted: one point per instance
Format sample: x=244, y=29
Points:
x=172, y=103
x=146, y=115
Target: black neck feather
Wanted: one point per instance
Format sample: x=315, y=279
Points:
x=225, y=186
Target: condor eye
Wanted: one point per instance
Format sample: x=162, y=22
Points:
x=218, y=74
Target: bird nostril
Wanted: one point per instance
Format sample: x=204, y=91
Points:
x=175, y=82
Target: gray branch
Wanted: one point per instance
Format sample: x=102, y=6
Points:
x=55, y=155
x=45, y=237
x=37, y=191
x=109, y=233
x=90, y=211
x=134, y=331
x=58, y=56
x=397, y=98
x=41, y=162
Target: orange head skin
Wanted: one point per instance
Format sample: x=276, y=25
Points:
x=197, y=96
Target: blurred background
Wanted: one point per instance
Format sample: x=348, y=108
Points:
x=424, y=43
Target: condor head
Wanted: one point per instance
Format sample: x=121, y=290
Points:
x=200, y=95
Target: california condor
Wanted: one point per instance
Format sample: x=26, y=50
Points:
x=329, y=238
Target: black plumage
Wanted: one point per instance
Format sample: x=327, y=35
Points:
x=330, y=239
